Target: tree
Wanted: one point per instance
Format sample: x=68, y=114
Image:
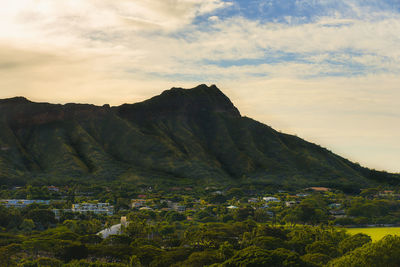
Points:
x=322, y=247
x=134, y=261
x=268, y=242
x=27, y=225
x=261, y=215
x=226, y=250
x=316, y=259
x=146, y=253
x=44, y=262
x=169, y=258
x=68, y=250
x=202, y=258
x=385, y=252
x=6, y=254
x=42, y=217
x=311, y=211
x=173, y=216
x=256, y=257
x=353, y=242
x=242, y=214
x=234, y=192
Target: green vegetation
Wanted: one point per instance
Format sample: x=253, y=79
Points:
x=385, y=252
x=194, y=137
x=186, y=181
x=194, y=226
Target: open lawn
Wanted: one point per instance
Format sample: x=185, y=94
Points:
x=376, y=233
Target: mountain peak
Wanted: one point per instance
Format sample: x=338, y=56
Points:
x=200, y=89
x=199, y=98
x=194, y=101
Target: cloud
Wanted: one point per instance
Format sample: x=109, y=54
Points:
x=321, y=69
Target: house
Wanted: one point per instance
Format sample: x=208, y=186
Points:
x=53, y=188
x=388, y=193
x=318, y=189
x=338, y=213
x=177, y=207
x=270, y=213
x=335, y=205
x=252, y=200
x=166, y=209
x=271, y=199
x=145, y=208
x=22, y=203
x=116, y=229
x=99, y=208
x=59, y=212
x=137, y=203
x=290, y=203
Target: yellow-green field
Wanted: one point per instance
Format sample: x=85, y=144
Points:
x=376, y=233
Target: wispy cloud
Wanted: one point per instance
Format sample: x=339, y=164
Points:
x=283, y=62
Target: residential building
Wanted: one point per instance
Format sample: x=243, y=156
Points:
x=252, y=200
x=335, y=205
x=145, y=208
x=138, y=203
x=271, y=199
x=22, y=203
x=98, y=208
x=318, y=189
x=177, y=207
x=290, y=203
x=53, y=188
x=59, y=212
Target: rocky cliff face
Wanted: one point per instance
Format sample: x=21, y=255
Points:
x=181, y=102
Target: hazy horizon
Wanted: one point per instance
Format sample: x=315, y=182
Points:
x=327, y=71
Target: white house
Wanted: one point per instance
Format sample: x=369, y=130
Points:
x=115, y=229
x=99, y=208
x=271, y=199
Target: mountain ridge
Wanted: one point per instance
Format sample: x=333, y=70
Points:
x=194, y=135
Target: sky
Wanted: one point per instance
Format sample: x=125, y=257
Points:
x=327, y=70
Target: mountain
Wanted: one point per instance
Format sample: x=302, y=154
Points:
x=194, y=136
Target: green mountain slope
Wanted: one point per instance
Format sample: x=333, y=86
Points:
x=192, y=135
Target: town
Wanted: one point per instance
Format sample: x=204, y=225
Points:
x=147, y=225
x=372, y=206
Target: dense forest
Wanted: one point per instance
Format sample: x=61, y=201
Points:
x=196, y=226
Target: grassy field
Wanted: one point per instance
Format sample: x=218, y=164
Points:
x=376, y=233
